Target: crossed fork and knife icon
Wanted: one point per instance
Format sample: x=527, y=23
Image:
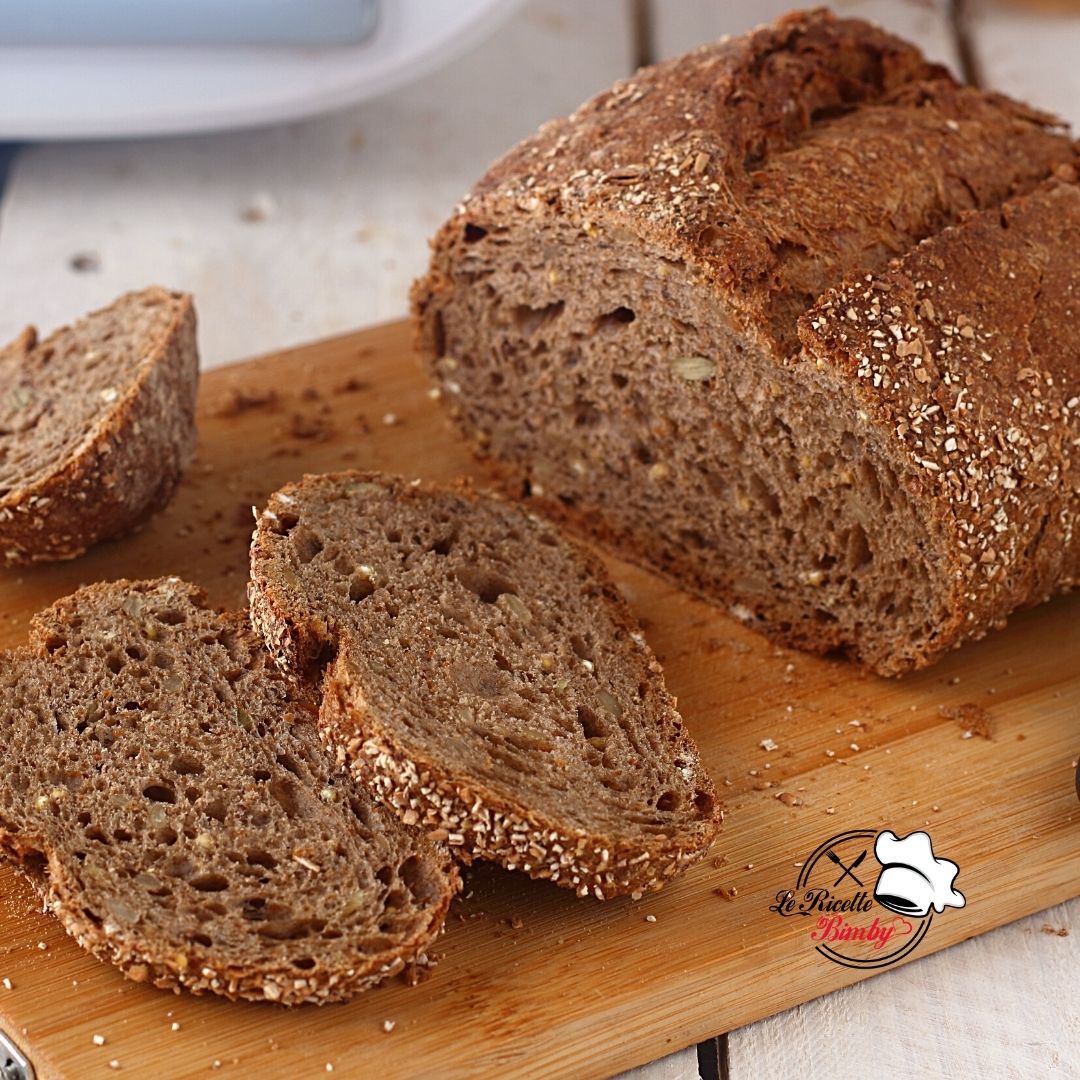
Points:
x=848, y=871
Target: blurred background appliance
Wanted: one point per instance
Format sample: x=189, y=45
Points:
x=108, y=68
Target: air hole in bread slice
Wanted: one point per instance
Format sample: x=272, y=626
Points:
x=187, y=765
x=209, y=882
x=306, y=543
x=668, y=801
x=486, y=582
x=283, y=791
x=261, y=858
x=529, y=319
x=621, y=316
x=591, y=725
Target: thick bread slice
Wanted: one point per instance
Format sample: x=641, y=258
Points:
x=484, y=677
x=97, y=424
x=165, y=788
x=612, y=315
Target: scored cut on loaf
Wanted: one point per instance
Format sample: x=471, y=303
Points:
x=484, y=677
x=97, y=425
x=612, y=317
x=165, y=788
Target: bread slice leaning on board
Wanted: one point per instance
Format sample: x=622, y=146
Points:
x=97, y=425
x=484, y=677
x=165, y=789
x=636, y=316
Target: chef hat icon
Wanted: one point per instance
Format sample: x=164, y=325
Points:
x=912, y=879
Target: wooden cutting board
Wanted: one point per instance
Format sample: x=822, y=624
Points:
x=533, y=981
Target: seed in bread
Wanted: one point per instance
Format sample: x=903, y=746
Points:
x=484, y=677
x=165, y=788
x=97, y=425
x=612, y=317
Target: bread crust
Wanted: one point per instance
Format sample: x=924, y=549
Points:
x=128, y=465
x=473, y=819
x=479, y=824
x=725, y=160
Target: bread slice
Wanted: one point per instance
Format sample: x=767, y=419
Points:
x=165, y=787
x=612, y=317
x=97, y=424
x=484, y=677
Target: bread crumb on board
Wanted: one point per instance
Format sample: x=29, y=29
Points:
x=310, y=427
x=973, y=719
x=241, y=401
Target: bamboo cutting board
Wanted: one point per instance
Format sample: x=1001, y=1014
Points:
x=977, y=751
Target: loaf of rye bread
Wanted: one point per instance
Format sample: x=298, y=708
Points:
x=484, y=677
x=97, y=424
x=165, y=788
x=613, y=317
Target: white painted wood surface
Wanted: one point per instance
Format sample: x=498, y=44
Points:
x=1002, y=1005
x=1030, y=51
x=304, y=230
x=293, y=233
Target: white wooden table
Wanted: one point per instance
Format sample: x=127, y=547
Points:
x=308, y=229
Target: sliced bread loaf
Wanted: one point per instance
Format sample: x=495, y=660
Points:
x=97, y=424
x=484, y=677
x=612, y=316
x=165, y=787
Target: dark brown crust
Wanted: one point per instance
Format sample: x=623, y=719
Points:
x=474, y=820
x=982, y=401
x=697, y=157
x=130, y=463
x=180, y=967
x=693, y=159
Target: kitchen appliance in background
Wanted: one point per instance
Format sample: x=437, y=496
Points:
x=108, y=68
x=195, y=22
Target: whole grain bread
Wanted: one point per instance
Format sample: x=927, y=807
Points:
x=97, y=424
x=484, y=677
x=165, y=788
x=612, y=316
